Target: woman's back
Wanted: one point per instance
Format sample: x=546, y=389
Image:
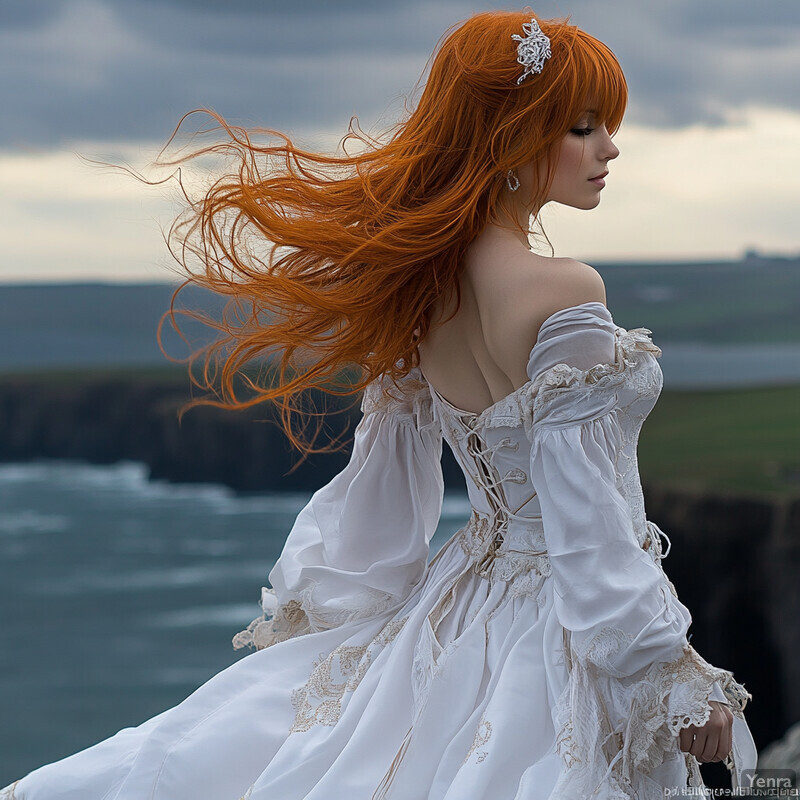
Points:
x=479, y=356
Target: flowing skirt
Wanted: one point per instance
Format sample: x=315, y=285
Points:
x=451, y=697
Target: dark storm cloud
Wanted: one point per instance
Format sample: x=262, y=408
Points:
x=690, y=61
x=92, y=69
x=128, y=69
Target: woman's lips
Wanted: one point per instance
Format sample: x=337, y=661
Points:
x=598, y=181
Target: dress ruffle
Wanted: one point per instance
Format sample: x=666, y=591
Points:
x=613, y=734
x=9, y=793
x=276, y=624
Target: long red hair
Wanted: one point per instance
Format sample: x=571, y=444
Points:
x=335, y=261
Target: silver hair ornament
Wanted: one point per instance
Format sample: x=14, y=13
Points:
x=533, y=49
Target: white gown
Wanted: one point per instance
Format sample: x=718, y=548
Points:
x=541, y=655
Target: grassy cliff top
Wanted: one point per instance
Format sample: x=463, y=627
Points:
x=743, y=441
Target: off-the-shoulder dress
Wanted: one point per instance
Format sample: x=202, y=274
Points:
x=542, y=654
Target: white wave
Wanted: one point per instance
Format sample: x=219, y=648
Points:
x=31, y=521
x=232, y=616
x=131, y=479
x=455, y=504
x=26, y=472
x=83, y=582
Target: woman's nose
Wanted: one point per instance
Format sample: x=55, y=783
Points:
x=610, y=150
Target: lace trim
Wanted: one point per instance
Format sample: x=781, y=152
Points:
x=613, y=733
x=519, y=406
x=298, y=617
x=319, y=701
x=9, y=792
x=523, y=570
x=549, y=384
x=276, y=624
x=410, y=397
x=646, y=382
x=482, y=735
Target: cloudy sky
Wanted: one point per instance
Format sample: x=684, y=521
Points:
x=710, y=149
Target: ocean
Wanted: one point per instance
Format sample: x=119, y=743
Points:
x=120, y=596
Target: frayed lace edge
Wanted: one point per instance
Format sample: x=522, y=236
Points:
x=615, y=766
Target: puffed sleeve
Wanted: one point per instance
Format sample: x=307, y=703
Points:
x=634, y=680
x=361, y=544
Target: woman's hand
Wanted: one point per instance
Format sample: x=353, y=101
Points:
x=714, y=740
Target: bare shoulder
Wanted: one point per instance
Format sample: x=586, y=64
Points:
x=519, y=293
x=538, y=287
x=569, y=283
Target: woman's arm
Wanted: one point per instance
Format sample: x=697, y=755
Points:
x=635, y=683
x=361, y=544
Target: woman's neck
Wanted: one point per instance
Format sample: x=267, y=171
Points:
x=505, y=232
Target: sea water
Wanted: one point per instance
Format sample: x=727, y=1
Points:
x=120, y=596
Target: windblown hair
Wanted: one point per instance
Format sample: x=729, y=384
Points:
x=335, y=261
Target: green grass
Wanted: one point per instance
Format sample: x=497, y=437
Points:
x=742, y=441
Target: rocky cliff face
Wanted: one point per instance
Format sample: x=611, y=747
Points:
x=105, y=419
x=734, y=561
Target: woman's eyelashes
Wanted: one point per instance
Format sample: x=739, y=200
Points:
x=581, y=131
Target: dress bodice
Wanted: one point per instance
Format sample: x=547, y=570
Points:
x=493, y=447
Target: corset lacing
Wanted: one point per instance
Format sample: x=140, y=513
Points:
x=483, y=536
x=485, y=532
x=653, y=537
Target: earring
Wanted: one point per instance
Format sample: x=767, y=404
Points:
x=512, y=180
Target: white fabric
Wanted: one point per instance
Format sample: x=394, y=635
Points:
x=541, y=655
x=338, y=565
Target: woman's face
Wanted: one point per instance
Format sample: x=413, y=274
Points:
x=582, y=163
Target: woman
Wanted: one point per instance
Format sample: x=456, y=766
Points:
x=543, y=652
